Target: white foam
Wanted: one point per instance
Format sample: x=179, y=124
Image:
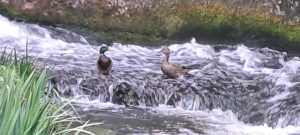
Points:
x=280, y=96
x=137, y=57
x=218, y=122
x=81, y=56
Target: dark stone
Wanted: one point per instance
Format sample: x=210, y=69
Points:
x=256, y=118
x=123, y=94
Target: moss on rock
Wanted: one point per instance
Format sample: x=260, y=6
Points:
x=168, y=23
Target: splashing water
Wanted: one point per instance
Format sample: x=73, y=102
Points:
x=232, y=90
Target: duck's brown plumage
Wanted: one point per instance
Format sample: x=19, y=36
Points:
x=171, y=70
x=104, y=64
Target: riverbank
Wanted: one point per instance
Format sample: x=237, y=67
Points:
x=158, y=23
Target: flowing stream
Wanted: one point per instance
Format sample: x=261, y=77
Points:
x=230, y=90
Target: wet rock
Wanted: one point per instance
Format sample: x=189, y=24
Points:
x=256, y=118
x=151, y=22
x=66, y=36
x=174, y=99
x=123, y=94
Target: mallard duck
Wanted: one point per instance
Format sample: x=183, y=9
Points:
x=104, y=63
x=171, y=70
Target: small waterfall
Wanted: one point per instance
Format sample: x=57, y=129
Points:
x=251, y=85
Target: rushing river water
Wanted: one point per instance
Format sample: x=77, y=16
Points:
x=231, y=89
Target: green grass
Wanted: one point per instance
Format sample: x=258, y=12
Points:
x=25, y=109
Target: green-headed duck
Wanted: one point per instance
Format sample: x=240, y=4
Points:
x=104, y=63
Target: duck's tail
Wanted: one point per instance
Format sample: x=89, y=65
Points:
x=186, y=70
x=194, y=66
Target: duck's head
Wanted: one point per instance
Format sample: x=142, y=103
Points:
x=103, y=49
x=166, y=50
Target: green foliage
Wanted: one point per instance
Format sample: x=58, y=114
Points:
x=24, y=107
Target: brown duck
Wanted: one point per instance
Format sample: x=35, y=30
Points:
x=171, y=70
x=104, y=63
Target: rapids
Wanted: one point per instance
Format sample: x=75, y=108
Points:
x=232, y=89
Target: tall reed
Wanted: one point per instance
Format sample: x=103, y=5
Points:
x=25, y=109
